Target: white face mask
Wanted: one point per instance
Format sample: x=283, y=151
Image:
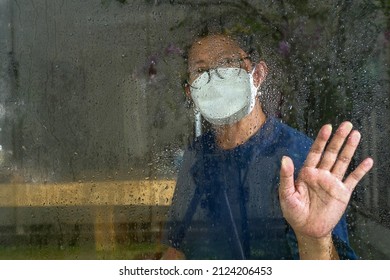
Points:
x=224, y=95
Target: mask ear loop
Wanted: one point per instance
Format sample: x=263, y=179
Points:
x=197, y=122
x=254, y=90
x=197, y=115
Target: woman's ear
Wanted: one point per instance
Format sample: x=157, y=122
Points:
x=187, y=90
x=260, y=73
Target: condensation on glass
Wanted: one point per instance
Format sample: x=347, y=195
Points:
x=94, y=120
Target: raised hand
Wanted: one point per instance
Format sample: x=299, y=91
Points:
x=316, y=201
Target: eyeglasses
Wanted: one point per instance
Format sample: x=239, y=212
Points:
x=216, y=71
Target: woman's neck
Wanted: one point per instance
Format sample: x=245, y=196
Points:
x=231, y=136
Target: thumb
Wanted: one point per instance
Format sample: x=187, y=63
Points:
x=287, y=187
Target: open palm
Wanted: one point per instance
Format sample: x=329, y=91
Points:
x=316, y=201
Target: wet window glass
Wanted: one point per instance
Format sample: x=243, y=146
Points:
x=154, y=129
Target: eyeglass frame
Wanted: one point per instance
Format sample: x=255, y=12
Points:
x=239, y=60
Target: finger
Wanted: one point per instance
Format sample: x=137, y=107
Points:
x=333, y=148
x=315, y=153
x=344, y=158
x=353, y=179
x=287, y=187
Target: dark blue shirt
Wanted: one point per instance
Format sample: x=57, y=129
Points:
x=226, y=203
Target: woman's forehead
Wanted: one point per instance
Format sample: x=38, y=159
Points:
x=213, y=47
